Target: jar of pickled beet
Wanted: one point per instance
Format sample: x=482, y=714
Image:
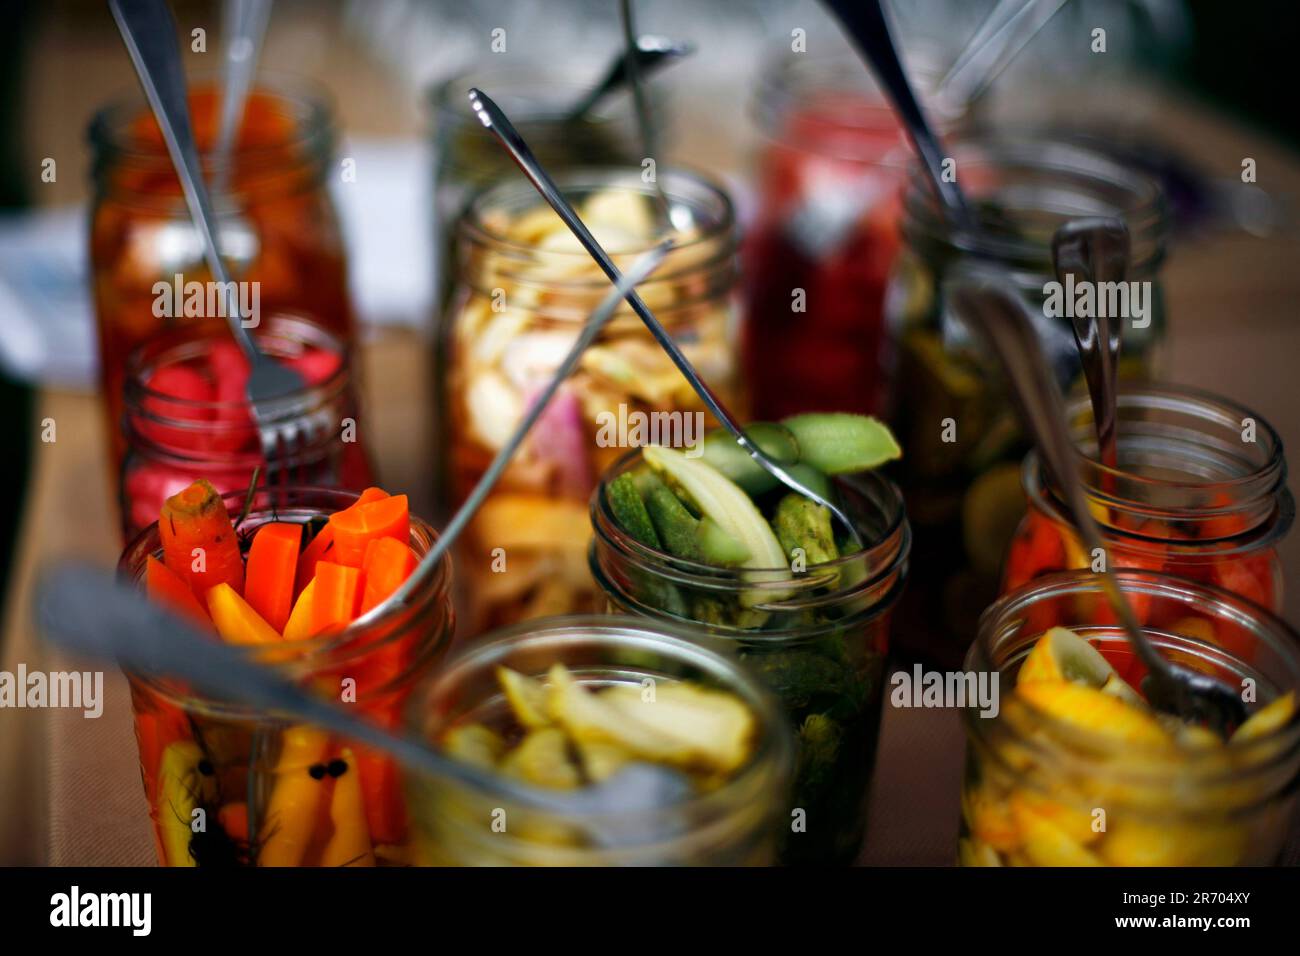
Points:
x=526, y=288
x=817, y=636
x=709, y=817
x=1200, y=492
x=949, y=405
x=818, y=256
x=274, y=792
x=186, y=416
x=276, y=223
x=468, y=158
x=1074, y=768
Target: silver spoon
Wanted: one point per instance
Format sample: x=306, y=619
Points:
x=993, y=307
x=494, y=119
x=149, y=31
x=652, y=54
x=244, y=26
x=84, y=610
x=866, y=25
x=1095, y=249
x=598, y=319
x=644, y=122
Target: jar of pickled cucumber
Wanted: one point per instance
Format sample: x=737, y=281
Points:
x=564, y=706
x=816, y=632
x=276, y=220
x=526, y=287
x=230, y=786
x=949, y=406
x=1200, y=492
x=1075, y=769
x=538, y=100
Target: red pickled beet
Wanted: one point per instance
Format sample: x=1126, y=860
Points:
x=229, y=370
x=184, y=389
x=317, y=366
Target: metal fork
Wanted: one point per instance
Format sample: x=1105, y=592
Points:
x=274, y=390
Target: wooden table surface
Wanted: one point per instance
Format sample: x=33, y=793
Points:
x=72, y=792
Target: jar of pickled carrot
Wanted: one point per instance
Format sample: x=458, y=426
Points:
x=949, y=404
x=1200, y=492
x=276, y=223
x=818, y=256
x=715, y=817
x=231, y=786
x=525, y=289
x=186, y=416
x=1074, y=768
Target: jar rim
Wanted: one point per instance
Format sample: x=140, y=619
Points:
x=1259, y=491
x=888, y=553
x=695, y=648
x=1009, y=610
x=306, y=103
x=1140, y=200
x=143, y=404
x=312, y=652
x=681, y=184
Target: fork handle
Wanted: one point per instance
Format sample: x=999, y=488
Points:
x=149, y=32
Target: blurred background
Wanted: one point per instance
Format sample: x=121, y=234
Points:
x=1193, y=88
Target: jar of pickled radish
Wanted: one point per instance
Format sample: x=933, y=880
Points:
x=816, y=633
x=950, y=408
x=276, y=223
x=565, y=707
x=230, y=786
x=818, y=257
x=1200, y=492
x=467, y=157
x=1075, y=769
x=187, y=416
x=525, y=290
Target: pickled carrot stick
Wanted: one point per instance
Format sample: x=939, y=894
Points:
x=198, y=540
x=337, y=594
x=166, y=587
x=356, y=527
x=271, y=570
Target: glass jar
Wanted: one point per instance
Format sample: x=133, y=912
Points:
x=818, y=256
x=734, y=823
x=1200, y=493
x=186, y=416
x=276, y=222
x=467, y=157
x=949, y=406
x=817, y=637
x=518, y=308
x=273, y=792
x=1040, y=790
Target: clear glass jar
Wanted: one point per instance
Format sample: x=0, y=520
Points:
x=518, y=308
x=277, y=222
x=949, y=406
x=734, y=823
x=818, y=638
x=276, y=793
x=1039, y=790
x=172, y=441
x=830, y=173
x=467, y=157
x=1192, y=496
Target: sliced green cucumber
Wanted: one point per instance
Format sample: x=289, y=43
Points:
x=838, y=443
x=630, y=511
x=677, y=528
x=715, y=496
x=802, y=523
x=723, y=453
x=717, y=546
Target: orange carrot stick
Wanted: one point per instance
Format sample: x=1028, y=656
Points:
x=165, y=586
x=358, y=526
x=388, y=562
x=199, y=541
x=337, y=593
x=322, y=546
x=272, y=567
